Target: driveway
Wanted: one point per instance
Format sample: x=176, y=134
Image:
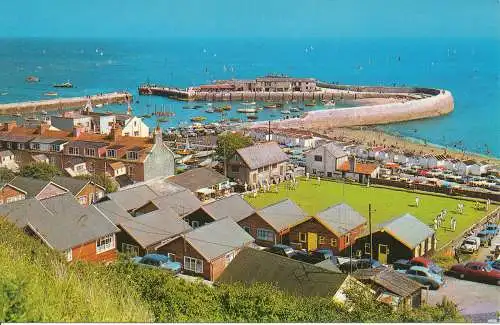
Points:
x=479, y=301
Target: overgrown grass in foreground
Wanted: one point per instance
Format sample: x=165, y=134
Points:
x=36, y=285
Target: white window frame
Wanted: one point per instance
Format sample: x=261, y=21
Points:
x=195, y=224
x=75, y=151
x=265, y=234
x=90, y=152
x=132, y=155
x=367, y=248
x=105, y=244
x=228, y=258
x=69, y=254
x=193, y=264
x=111, y=153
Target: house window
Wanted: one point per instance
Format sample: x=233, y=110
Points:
x=130, y=170
x=195, y=223
x=69, y=254
x=105, y=243
x=193, y=264
x=329, y=174
x=15, y=198
x=274, y=166
x=35, y=146
x=111, y=153
x=348, y=239
x=136, y=133
x=367, y=248
x=302, y=237
x=54, y=147
x=9, y=145
x=82, y=200
x=265, y=234
x=229, y=257
x=333, y=242
x=247, y=229
x=131, y=250
x=90, y=152
x=74, y=151
x=132, y=155
x=318, y=158
x=321, y=239
x=235, y=168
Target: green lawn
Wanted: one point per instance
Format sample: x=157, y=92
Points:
x=387, y=203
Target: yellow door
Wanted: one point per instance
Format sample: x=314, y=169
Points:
x=383, y=252
x=312, y=241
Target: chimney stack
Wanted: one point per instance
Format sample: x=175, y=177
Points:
x=43, y=128
x=8, y=126
x=157, y=135
x=116, y=132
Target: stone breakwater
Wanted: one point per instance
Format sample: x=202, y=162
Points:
x=64, y=103
x=414, y=109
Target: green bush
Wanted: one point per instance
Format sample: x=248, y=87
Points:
x=40, y=170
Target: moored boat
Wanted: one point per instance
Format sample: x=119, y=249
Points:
x=198, y=119
x=246, y=110
x=210, y=110
x=218, y=110
x=248, y=103
x=99, y=105
x=294, y=109
x=252, y=116
x=50, y=93
x=32, y=79
x=285, y=111
x=329, y=103
x=226, y=107
x=271, y=106
x=313, y=103
x=66, y=84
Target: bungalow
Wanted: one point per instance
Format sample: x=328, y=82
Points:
x=464, y=167
x=258, y=164
x=391, y=287
x=336, y=228
x=9, y=193
x=361, y=172
x=84, y=190
x=294, y=277
x=479, y=169
x=37, y=188
x=208, y=250
x=233, y=206
x=271, y=225
x=205, y=182
x=325, y=160
x=81, y=233
x=403, y=237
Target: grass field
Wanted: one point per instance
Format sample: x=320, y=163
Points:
x=387, y=203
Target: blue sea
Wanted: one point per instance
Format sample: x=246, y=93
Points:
x=469, y=68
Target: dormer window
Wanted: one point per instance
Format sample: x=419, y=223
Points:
x=132, y=155
x=90, y=152
x=111, y=153
x=35, y=146
x=54, y=147
x=74, y=151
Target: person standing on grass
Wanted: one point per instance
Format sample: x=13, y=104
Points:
x=417, y=201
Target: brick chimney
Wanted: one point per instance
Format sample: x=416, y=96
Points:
x=352, y=163
x=116, y=132
x=78, y=130
x=157, y=135
x=43, y=128
x=8, y=126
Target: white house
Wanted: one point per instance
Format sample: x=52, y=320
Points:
x=325, y=160
x=464, y=167
x=479, y=169
x=134, y=126
x=8, y=160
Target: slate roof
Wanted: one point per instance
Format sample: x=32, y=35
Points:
x=151, y=228
x=31, y=186
x=340, y=218
x=183, y=203
x=389, y=279
x=217, y=238
x=233, y=206
x=262, y=154
x=295, y=277
x=282, y=214
x=408, y=229
x=113, y=211
x=335, y=150
x=134, y=197
x=73, y=185
x=328, y=265
x=198, y=178
x=60, y=220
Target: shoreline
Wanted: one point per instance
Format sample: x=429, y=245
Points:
x=370, y=135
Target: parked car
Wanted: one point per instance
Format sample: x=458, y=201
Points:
x=476, y=271
x=494, y=264
x=364, y=263
x=424, y=276
x=485, y=238
x=158, y=261
x=491, y=228
x=305, y=257
x=401, y=265
x=425, y=262
x=325, y=253
x=281, y=249
x=470, y=244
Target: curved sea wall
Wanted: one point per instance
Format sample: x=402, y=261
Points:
x=427, y=107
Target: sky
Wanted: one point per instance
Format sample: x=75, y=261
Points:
x=249, y=18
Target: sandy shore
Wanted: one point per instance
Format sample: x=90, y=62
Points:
x=370, y=136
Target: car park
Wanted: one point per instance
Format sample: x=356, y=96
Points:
x=470, y=244
x=325, y=253
x=158, y=261
x=424, y=276
x=476, y=271
x=485, y=238
x=364, y=263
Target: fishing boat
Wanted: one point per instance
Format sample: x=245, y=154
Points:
x=218, y=110
x=66, y=84
x=248, y=103
x=205, y=162
x=210, y=110
x=226, y=107
x=270, y=106
x=285, y=111
x=235, y=119
x=198, y=119
x=202, y=154
x=260, y=108
x=187, y=107
x=246, y=110
x=200, y=106
x=51, y=93
x=294, y=109
x=313, y=103
x=329, y=103
x=32, y=79
x=252, y=116
x=4, y=93
x=163, y=119
x=99, y=105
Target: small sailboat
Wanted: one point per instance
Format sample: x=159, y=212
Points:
x=235, y=119
x=66, y=84
x=163, y=119
x=99, y=105
x=329, y=103
x=248, y=103
x=198, y=119
x=246, y=110
x=4, y=93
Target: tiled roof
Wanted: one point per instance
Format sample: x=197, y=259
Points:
x=233, y=206
x=389, y=279
x=31, y=186
x=262, y=154
x=133, y=198
x=360, y=168
x=183, y=202
x=198, y=178
x=340, y=218
x=282, y=215
x=294, y=277
x=73, y=185
x=408, y=229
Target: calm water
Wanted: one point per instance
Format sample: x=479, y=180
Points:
x=467, y=67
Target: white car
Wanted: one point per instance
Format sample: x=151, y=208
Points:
x=471, y=244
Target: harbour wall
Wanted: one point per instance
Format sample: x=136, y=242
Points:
x=427, y=107
x=64, y=103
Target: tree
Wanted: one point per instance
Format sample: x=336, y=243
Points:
x=105, y=181
x=40, y=170
x=6, y=175
x=229, y=142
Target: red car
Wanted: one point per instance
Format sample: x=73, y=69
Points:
x=476, y=271
x=422, y=261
